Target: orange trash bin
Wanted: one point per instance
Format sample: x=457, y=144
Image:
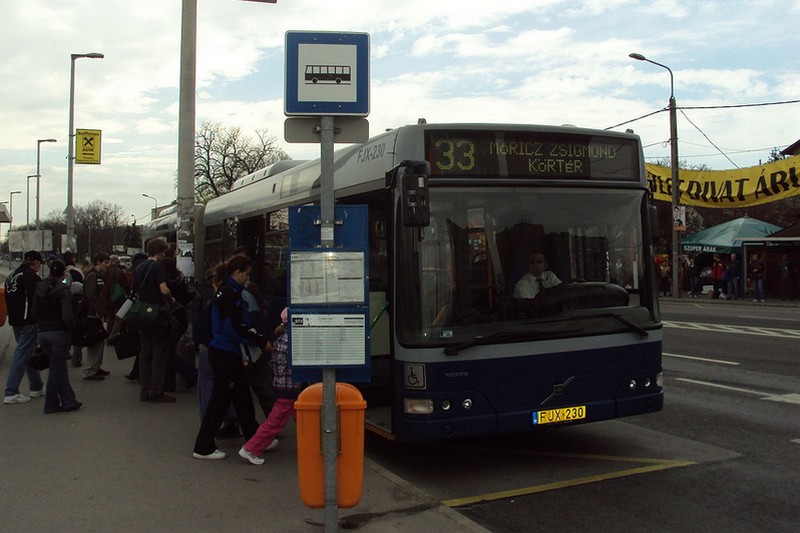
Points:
x=310, y=460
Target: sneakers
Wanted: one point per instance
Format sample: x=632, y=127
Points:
x=216, y=454
x=38, y=393
x=101, y=372
x=17, y=398
x=253, y=458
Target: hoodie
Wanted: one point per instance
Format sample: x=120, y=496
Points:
x=52, y=305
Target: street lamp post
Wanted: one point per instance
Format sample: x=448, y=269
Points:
x=155, y=206
x=28, y=202
x=676, y=193
x=38, y=176
x=70, y=211
x=10, y=220
x=11, y=205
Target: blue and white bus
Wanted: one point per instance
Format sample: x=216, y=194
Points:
x=454, y=353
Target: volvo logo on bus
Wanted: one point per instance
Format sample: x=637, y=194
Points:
x=558, y=390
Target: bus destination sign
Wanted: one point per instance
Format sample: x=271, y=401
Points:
x=526, y=154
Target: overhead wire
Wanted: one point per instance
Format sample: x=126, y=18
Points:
x=682, y=108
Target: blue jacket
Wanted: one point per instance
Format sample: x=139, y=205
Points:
x=230, y=321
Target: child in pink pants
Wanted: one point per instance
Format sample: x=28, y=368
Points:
x=285, y=390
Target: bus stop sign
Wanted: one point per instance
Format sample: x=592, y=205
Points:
x=327, y=73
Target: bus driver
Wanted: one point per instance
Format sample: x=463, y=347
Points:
x=537, y=279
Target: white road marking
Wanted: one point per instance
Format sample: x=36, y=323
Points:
x=741, y=330
x=720, y=361
x=784, y=398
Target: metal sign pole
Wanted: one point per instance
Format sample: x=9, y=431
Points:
x=330, y=429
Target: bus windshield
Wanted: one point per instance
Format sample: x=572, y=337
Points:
x=500, y=262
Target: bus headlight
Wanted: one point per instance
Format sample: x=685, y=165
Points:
x=446, y=405
x=632, y=384
x=660, y=380
x=417, y=406
x=467, y=404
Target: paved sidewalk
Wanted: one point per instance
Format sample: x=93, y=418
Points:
x=119, y=464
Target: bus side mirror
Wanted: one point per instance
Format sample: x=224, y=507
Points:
x=655, y=230
x=412, y=179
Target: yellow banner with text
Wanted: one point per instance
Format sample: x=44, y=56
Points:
x=742, y=187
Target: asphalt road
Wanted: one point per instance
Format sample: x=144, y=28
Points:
x=723, y=455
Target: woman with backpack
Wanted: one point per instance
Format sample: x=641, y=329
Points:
x=52, y=306
x=230, y=330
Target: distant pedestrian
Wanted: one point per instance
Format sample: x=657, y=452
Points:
x=74, y=275
x=788, y=275
x=52, y=307
x=734, y=274
x=20, y=288
x=664, y=273
x=755, y=270
x=184, y=295
x=150, y=284
x=94, y=293
x=718, y=277
x=693, y=271
x=286, y=391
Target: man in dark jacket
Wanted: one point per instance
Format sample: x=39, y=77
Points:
x=93, y=292
x=20, y=289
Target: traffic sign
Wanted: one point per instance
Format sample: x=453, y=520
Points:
x=327, y=73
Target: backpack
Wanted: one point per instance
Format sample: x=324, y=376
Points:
x=80, y=307
x=87, y=331
x=202, y=321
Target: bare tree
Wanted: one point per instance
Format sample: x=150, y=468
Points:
x=223, y=155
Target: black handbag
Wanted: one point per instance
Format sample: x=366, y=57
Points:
x=39, y=359
x=127, y=344
x=88, y=332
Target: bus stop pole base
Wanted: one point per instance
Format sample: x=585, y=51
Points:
x=330, y=448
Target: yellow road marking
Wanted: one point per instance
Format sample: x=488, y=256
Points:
x=651, y=465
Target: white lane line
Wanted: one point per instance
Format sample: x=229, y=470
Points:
x=743, y=330
x=783, y=398
x=796, y=441
x=772, y=319
x=720, y=361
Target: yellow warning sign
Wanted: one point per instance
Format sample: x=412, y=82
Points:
x=87, y=147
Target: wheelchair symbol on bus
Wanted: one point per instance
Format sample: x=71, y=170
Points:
x=414, y=376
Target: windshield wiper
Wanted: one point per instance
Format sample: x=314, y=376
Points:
x=640, y=332
x=483, y=339
x=530, y=335
x=508, y=336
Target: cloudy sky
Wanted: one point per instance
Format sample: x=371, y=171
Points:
x=517, y=61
